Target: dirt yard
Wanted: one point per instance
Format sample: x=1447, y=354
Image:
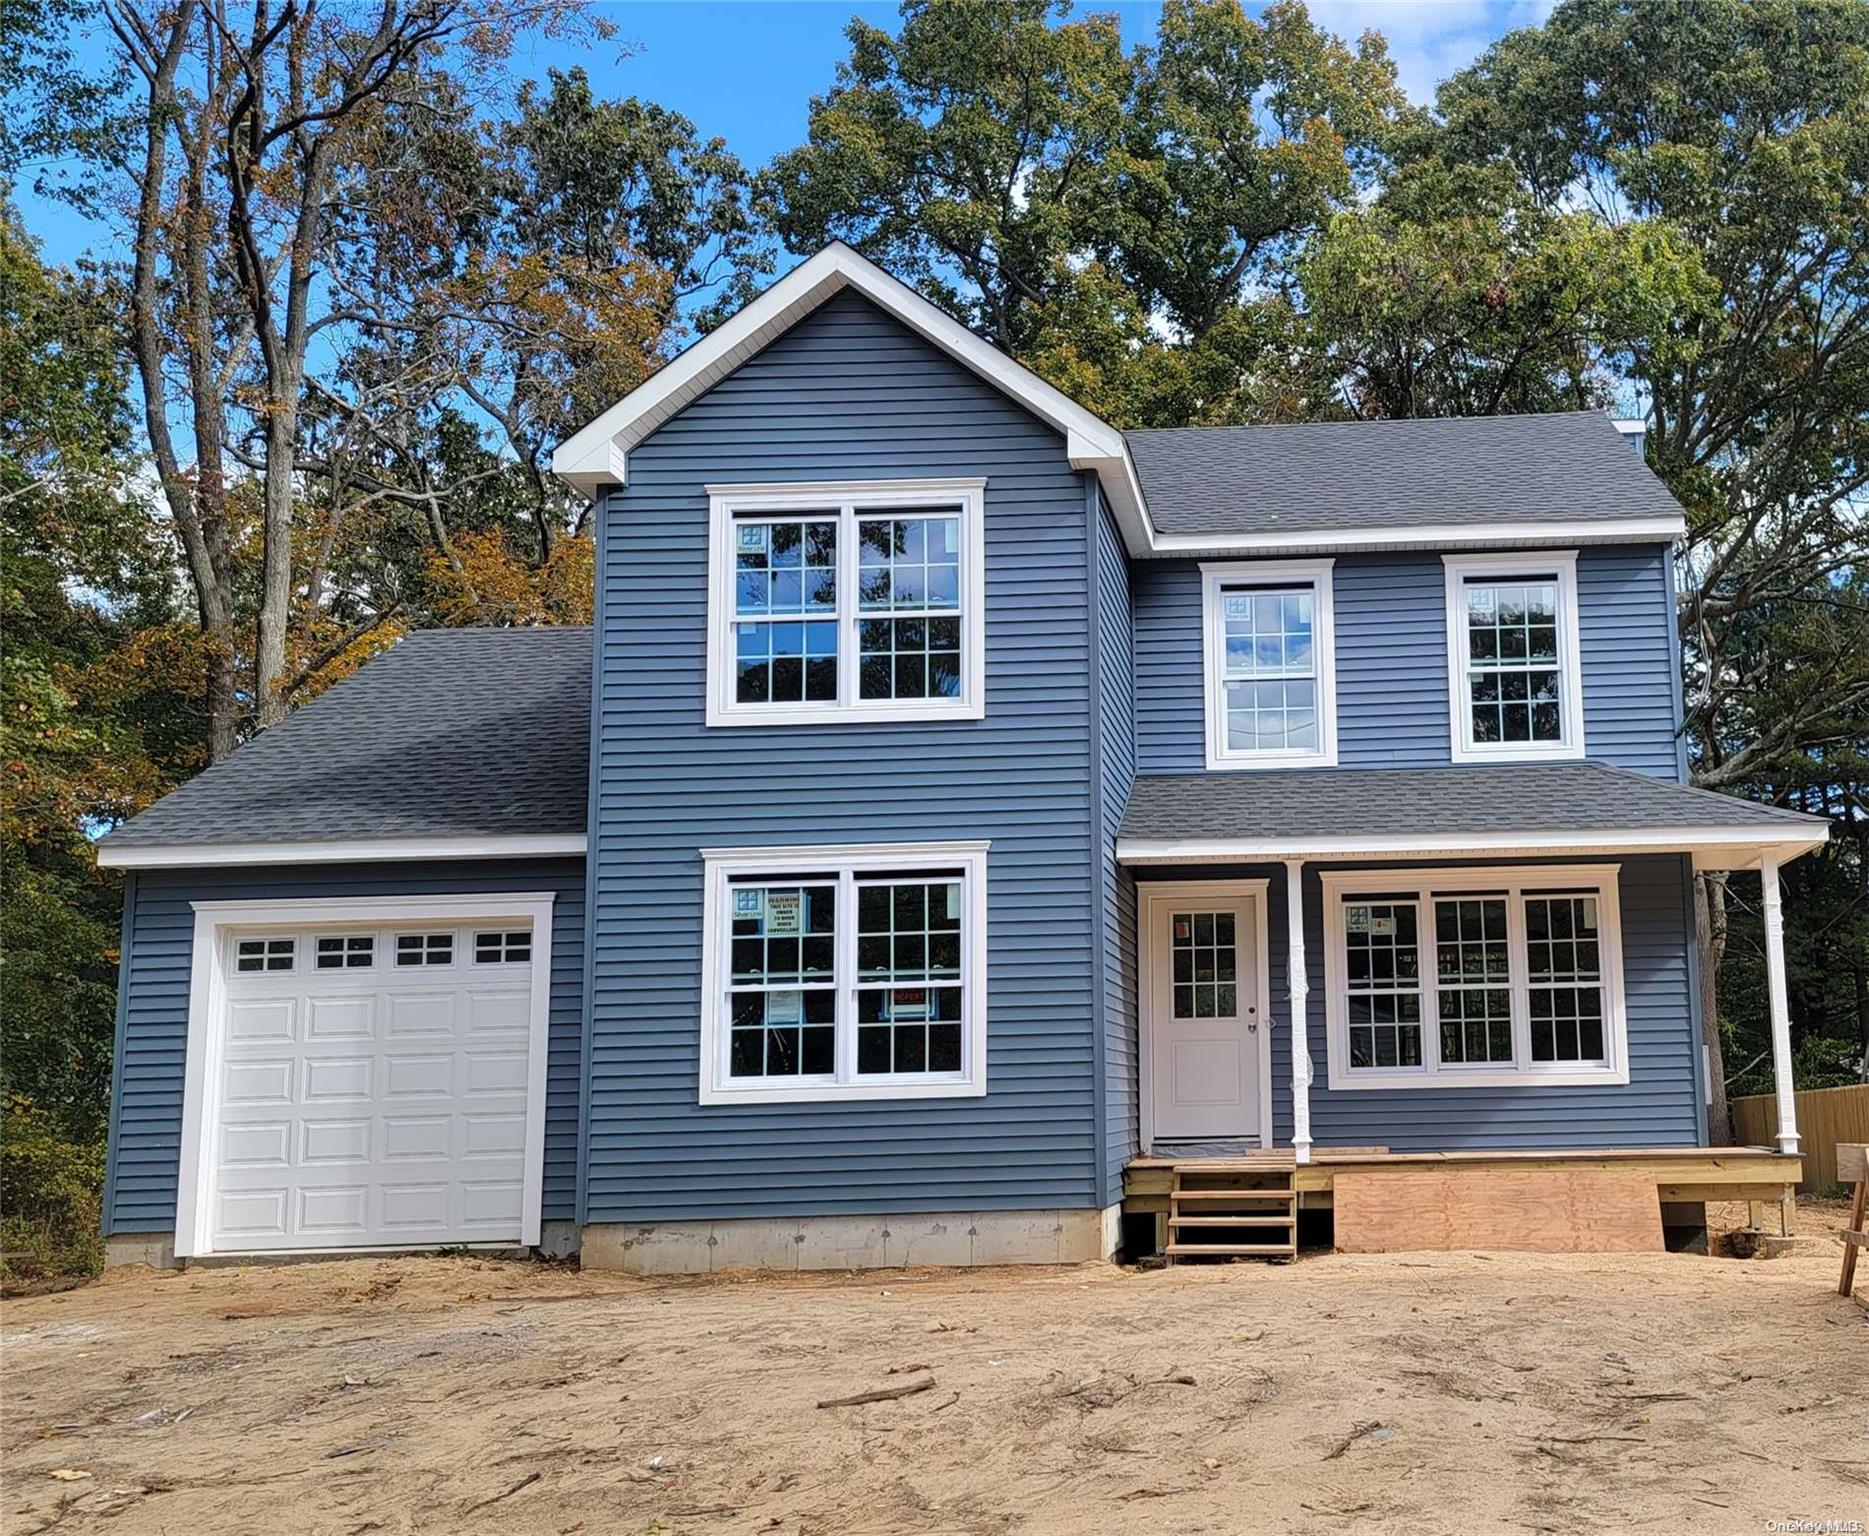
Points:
x=1410, y=1393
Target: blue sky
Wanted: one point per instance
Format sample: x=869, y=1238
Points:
x=747, y=69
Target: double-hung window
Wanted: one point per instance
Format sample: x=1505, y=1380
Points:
x=1269, y=655
x=1515, y=675
x=1474, y=977
x=844, y=972
x=846, y=602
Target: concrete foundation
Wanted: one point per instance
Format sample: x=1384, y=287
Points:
x=957, y=1238
x=558, y=1239
x=156, y=1249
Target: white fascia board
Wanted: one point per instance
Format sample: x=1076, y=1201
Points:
x=1743, y=842
x=1621, y=530
x=360, y=851
x=597, y=453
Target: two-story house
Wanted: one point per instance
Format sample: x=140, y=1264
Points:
x=964, y=822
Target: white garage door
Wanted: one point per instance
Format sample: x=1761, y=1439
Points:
x=372, y=1086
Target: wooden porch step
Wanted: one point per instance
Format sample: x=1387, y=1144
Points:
x=1229, y=1221
x=1232, y=1250
x=1286, y=1194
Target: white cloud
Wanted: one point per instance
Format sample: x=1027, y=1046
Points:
x=1429, y=39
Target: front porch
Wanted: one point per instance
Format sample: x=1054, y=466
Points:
x=1604, y=1199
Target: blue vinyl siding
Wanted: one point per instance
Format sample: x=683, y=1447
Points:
x=847, y=393
x=1391, y=632
x=1116, y=768
x=146, y=1123
x=1658, y=1107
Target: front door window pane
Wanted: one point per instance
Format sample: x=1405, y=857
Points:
x=1204, y=950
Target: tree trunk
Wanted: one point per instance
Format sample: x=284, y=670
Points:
x=1710, y=938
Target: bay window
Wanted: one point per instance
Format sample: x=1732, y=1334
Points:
x=846, y=601
x=844, y=972
x=1474, y=977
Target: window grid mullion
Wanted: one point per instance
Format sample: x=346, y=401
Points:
x=1518, y=975
x=1427, y=969
x=845, y=974
x=848, y=649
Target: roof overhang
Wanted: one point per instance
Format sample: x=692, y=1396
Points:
x=1711, y=847
x=597, y=455
x=353, y=851
x=1436, y=536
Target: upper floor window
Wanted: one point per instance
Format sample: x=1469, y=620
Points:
x=1473, y=977
x=846, y=601
x=1515, y=678
x=845, y=972
x=1269, y=655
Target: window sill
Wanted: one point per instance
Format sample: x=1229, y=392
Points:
x=1567, y=752
x=845, y=714
x=1555, y=1077
x=826, y=1093
x=1268, y=762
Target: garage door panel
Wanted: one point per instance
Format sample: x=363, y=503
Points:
x=332, y=1078
x=372, y=1105
x=340, y=1018
x=252, y=1215
x=507, y=1013
x=263, y=1081
x=327, y=1210
x=418, y=1015
x=260, y=1022
x=491, y=1073
x=419, y=1075
x=330, y=1140
x=407, y=1137
x=485, y=1203
x=259, y=1144
x=493, y=1135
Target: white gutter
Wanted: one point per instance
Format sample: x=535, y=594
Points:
x=356, y=851
x=1703, y=842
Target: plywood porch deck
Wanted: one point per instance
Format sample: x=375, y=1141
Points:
x=1681, y=1175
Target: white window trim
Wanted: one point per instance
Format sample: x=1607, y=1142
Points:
x=1561, y=564
x=720, y=865
x=851, y=498
x=1598, y=878
x=1216, y=575
x=216, y=925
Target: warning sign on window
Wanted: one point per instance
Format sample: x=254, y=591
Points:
x=785, y=912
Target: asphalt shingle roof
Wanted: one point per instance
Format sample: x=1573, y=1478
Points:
x=1293, y=804
x=452, y=732
x=1364, y=475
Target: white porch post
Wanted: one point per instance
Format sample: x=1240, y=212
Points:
x=1780, y=1006
x=1300, y=989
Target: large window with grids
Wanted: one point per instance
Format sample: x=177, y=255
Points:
x=1269, y=653
x=844, y=972
x=846, y=601
x=1473, y=977
x=1515, y=676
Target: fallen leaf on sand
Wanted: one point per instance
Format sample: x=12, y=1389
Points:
x=70, y=1474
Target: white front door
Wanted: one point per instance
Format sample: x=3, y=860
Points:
x=1201, y=1025
x=373, y=1085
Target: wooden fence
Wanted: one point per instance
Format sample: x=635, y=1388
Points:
x=1825, y=1117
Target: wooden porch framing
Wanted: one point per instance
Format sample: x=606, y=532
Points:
x=1681, y=1175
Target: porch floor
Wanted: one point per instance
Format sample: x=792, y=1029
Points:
x=1682, y=1176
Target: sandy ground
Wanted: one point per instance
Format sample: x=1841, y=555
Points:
x=1400, y=1393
